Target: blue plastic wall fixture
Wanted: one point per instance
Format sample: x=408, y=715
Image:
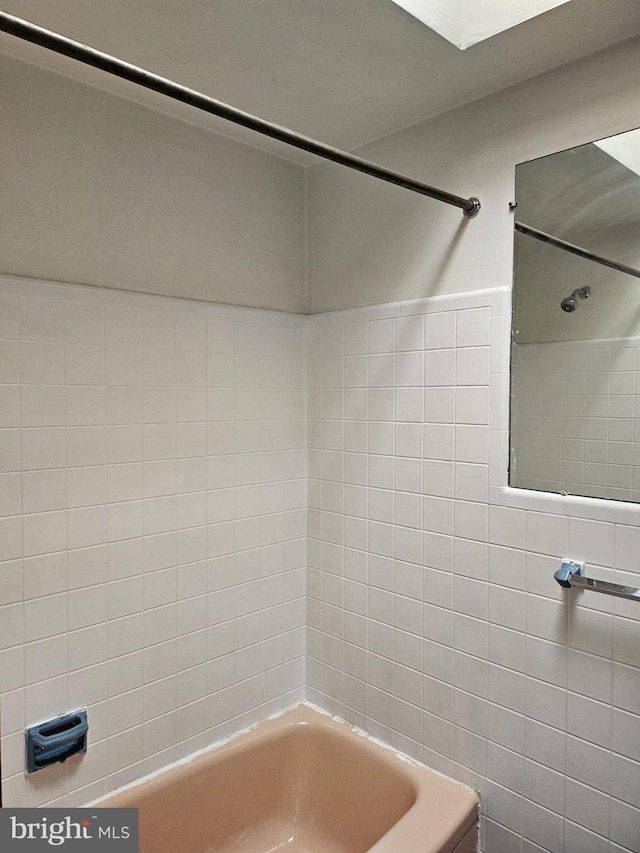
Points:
x=567, y=570
x=56, y=740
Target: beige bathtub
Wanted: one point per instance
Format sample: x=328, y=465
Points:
x=302, y=783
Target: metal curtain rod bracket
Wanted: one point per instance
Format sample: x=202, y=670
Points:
x=83, y=53
x=574, y=250
x=570, y=574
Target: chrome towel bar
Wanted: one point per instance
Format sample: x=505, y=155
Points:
x=570, y=575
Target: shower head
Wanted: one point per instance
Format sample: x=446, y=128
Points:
x=570, y=303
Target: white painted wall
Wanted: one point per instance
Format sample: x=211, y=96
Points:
x=98, y=190
x=370, y=243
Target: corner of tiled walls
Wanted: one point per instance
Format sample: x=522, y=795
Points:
x=434, y=620
x=152, y=526
x=160, y=501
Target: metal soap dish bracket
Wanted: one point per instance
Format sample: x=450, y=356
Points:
x=571, y=575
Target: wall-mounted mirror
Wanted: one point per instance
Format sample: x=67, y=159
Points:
x=575, y=380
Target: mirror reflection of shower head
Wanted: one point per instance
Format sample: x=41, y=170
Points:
x=570, y=303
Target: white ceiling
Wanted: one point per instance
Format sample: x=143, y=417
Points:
x=343, y=71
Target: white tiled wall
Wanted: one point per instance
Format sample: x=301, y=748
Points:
x=575, y=411
x=434, y=619
x=154, y=511
x=152, y=526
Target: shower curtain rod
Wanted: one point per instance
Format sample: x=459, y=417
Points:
x=574, y=250
x=83, y=53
